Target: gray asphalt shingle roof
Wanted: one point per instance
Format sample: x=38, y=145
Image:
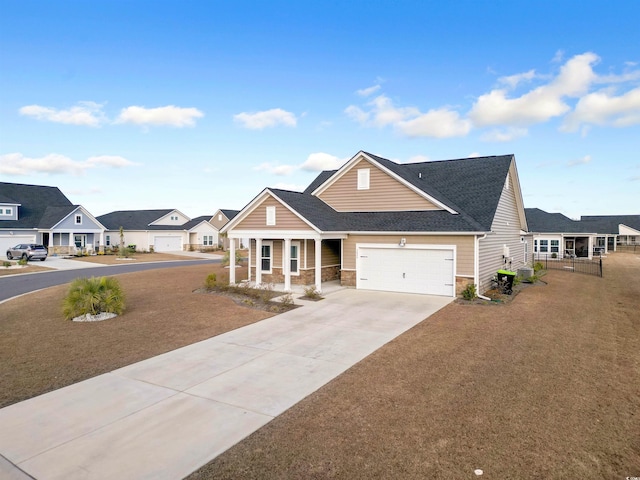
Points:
x=40, y=206
x=611, y=223
x=134, y=219
x=472, y=187
x=229, y=213
x=540, y=221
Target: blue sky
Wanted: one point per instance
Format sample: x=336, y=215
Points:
x=199, y=105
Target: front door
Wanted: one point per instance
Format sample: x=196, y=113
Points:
x=80, y=241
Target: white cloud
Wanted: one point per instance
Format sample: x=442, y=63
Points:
x=317, y=162
x=504, y=135
x=541, y=103
x=558, y=57
x=84, y=113
x=440, y=123
x=169, y=115
x=580, y=161
x=266, y=118
x=114, y=161
x=512, y=81
x=275, y=169
x=410, y=121
x=19, y=165
x=603, y=108
x=474, y=155
x=365, y=92
x=290, y=186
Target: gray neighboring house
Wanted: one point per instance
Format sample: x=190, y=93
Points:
x=163, y=230
x=430, y=227
x=44, y=215
x=555, y=234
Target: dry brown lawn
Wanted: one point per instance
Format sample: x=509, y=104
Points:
x=41, y=351
x=547, y=386
x=134, y=258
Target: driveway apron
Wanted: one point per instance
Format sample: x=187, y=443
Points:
x=164, y=417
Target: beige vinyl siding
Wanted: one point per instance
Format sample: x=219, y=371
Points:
x=385, y=193
x=219, y=223
x=285, y=218
x=505, y=230
x=464, y=248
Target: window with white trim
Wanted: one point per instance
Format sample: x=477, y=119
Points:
x=265, y=257
x=535, y=246
x=219, y=217
x=271, y=216
x=207, y=240
x=295, y=258
x=108, y=240
x=78, y=219
x=363, y=178
x=6, y=211
x=555, y=246
x=544, y=246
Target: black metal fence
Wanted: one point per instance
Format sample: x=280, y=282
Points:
x=578, y=265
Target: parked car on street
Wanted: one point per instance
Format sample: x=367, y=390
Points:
x=30, y=251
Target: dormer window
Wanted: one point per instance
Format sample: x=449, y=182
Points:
x=363, y=178
x=219, y=217
x=78, y=219
x=6, y=211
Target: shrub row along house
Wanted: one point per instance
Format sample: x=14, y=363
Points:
x=44, y=215
x=431, y=227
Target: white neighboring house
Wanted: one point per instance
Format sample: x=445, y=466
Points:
x=166, y=230
x=557, y=236
x=44, y=215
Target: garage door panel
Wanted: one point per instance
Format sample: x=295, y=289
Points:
x=426, y=271
x=167, y=244
x=10, y=241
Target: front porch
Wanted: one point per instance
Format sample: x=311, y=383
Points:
x=294, y=262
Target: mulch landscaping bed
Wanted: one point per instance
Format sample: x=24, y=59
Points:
x=546, y=386
x=40, y=351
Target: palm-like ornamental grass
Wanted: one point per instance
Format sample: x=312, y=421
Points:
x=93, y=296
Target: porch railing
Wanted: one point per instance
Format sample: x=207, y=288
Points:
x=573, y=264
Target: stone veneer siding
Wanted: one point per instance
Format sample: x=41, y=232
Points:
x=306, y=277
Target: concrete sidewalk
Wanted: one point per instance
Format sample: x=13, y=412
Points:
x=164, y=417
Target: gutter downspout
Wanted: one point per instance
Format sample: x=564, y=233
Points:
x=476, y=276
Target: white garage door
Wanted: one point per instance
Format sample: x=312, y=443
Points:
x=167, y=244
x=8, y=241
x=408, y=270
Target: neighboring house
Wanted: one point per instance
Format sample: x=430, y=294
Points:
x=219, y=220
x=554, y=233
x=625, y=228
x=431, y=227
x=42, y=214
x=159, y=230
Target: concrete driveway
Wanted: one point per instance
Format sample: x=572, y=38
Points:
x=164, y=417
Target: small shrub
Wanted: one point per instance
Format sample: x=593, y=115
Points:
x=131, y=248
x=537, y=267
x=265, y=292
x=516, y=281
x=211, y=281
x=23, y=261
x=287, y=300
x=469, y=293
x=226, y=258
x=93, y=296
x=554, y=255
x=248, y=302
x=532, y=279
x=151, y=250
x=6, y=264
x=312, y=293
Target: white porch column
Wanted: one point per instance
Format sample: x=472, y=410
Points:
x=318, y=254
x=249, y=266
x=71, y=244
x=232, y=261
x=50, y=239
x=286, y=265
x=258, y=261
